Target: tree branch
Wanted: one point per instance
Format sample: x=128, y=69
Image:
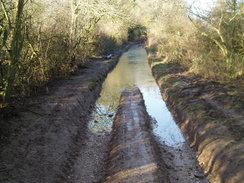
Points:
x=6, y=14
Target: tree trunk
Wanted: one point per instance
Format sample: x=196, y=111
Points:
x=15, y=52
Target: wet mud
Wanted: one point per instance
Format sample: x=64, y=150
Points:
x=44, y=139
x=134, y=155
x=181, y=164
x=49, y=140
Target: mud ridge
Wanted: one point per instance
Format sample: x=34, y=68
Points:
x=134, y=155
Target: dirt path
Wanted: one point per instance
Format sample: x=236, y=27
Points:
x=48, y=140
x=134, y=156
x=43, y=140
x=88, y=161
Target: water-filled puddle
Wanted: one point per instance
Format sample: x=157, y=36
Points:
x=133, y=70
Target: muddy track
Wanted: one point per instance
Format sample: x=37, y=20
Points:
x=45, y=138
x=134, y=155
x=49, y=140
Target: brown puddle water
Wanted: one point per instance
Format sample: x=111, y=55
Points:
x=133, y=70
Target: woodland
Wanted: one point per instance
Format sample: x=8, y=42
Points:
x=48, y=39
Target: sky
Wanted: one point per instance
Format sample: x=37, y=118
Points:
x=201, y=4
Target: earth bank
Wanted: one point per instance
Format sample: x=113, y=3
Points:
x=210, y=115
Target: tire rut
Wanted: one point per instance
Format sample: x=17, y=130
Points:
x=134, y=156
